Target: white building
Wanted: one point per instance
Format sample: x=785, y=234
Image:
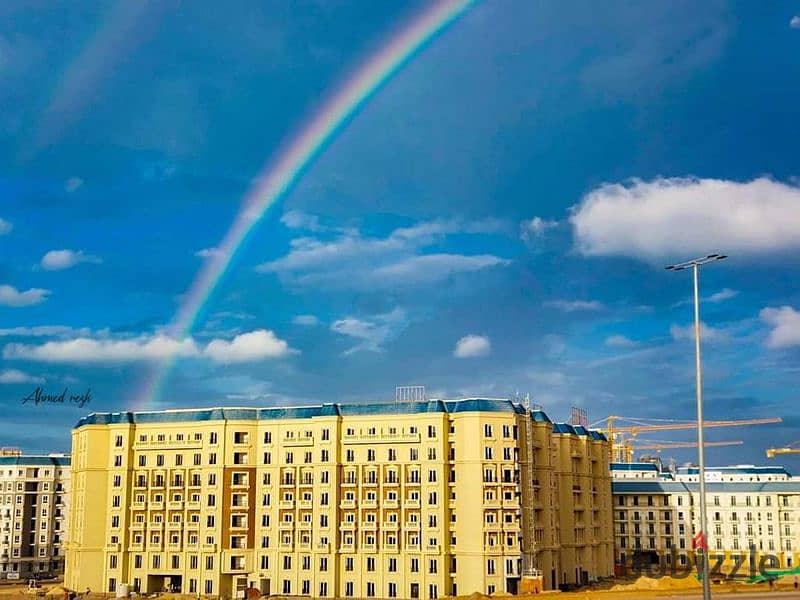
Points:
x=656, y=513
x=34, y=504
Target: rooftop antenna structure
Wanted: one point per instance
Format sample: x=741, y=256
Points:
x=579, y=416
x=530, y=570
x=410, y=393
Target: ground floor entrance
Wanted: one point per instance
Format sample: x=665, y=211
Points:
x=164, y=583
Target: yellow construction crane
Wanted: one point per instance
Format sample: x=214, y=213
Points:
x=793, y=448
x=627, y=450
x=622, y=436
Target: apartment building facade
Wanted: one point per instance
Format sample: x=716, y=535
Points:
x=34, y=506
x=404, y=500
x=753, y=513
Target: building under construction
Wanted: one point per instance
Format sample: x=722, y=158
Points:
x=413, y=499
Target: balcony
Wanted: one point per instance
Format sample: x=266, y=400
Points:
x=286, y=504
x=369, y=525
x=391, y=504
x=234, y=562
x=208, y=547
x=305, y=525
x=175, y=525
x=412, y=525
x=192, y=525
x=112, y=547
x=168, y=444
x=156, y=506
x=288, y=482
x=138, y=505
x=286, y=525
x=348, y=503
x=411, y=504
x=322, y=547
x=303, y=440
x=390, y=525
x=369, y=504
x=175, y=505
x=156, y=525
x=347, y=526
x=381, y=437
x=193, y=505
x=432, y=548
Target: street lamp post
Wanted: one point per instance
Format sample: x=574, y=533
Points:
x=695, y=265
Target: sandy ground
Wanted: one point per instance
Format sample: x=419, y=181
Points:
x=642, y=588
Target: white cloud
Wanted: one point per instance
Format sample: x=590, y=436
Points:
x=682, y=217
x=11, y=296
x=248, y=347
x=472, y=346
x=296, y=219
x=785, y=323
x=371, y=333
x=72, y=184
x=305, y=320
x=45, y=331
x=15, y=376
x=620, y=341
x=707, y=333
x=207, y=253
x=535, y=227
x=350, y=260
x=716, y=297
x=57, y=260
x=576, y=305
x=722, y=295
x=795, y=22
x=5, y=227
x=89, y=350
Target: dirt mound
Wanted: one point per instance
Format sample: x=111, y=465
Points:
x=661, y=583
x=56, y=591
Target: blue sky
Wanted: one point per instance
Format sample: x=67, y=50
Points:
x=495, y=219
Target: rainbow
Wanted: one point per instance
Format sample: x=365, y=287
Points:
x=278, y=177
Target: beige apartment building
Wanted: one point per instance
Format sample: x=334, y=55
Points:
x=34, y=500
x=753, y=513
x=399, y=500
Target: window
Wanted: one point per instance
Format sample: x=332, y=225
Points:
x=212, y=458
x=118, y=460
x=431, y=431
x=209, y=563
x=487, y=431
x=433, y=565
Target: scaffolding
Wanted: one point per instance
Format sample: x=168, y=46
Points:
x=530, y=567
